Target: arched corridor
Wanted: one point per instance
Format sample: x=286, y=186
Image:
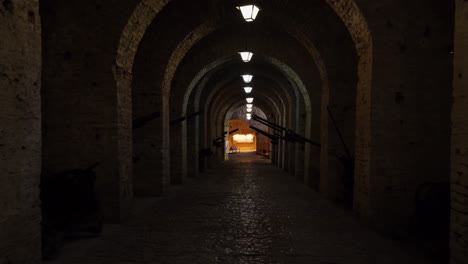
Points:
x=237, y=131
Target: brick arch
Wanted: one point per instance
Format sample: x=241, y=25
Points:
x=222, y=103
x=182, y=148
x=346, y=10
x=217, y=86
x=235, y=106
x=207, y=65
x=185, y=141
x=226, y=102
x=261, y=142
x=284, y=98
x=298, y=85
x=267, y=101
x=206, y=29
x=218, y=101
x=263, y=103
x=147, y=10
x=195, y=99
x=357, y=26
x=231, y=109
x=210, y=68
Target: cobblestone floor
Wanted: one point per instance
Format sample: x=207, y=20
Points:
x=244, y=213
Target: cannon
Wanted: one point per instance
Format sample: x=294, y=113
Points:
x=218, y=142
x=345, y=161
x=289, y=136
x=274, y=138
x=183, y=118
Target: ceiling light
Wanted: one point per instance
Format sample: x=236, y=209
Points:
x=246, y=55
x=249, y=100
x=247, y=78
x=249, y=106
x=248, y=89
x=249, y=12
x=249, y=110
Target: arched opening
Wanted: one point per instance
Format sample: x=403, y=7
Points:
x=241, y=138
x=246, y=134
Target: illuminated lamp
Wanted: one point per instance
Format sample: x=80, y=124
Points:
x=249, y=12
x=247, y=78
x=246, y=55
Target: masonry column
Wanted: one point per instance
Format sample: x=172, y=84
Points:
x=299, y=154
x=193, y=146
x=459, y=150
x=20, y=132
x=410, y=106
x=178, y=150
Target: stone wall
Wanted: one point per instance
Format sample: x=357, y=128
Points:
x=85, y=118
x=20, y=140
x=459, y=173
x=411, y=82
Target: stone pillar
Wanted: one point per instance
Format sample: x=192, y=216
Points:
x=151, y=158
x=408, y=144
x=193, y=147
x=178, y=150
x=299, y=154
x=20, y=132
x=86, y=114
x=459, y=151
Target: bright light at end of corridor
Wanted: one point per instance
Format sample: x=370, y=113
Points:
x=248, y=138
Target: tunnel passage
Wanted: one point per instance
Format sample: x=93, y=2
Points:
x=146, y=88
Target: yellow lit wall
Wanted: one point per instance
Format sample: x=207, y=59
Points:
x=244, y=139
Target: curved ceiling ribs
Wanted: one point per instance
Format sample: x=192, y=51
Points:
x=148, y=10
x=323, y=50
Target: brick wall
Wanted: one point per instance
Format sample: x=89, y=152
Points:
x=86, y=118
x=410, y=106
x=20, y=126
x=459, y=152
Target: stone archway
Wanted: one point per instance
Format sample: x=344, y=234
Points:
x=350, y=14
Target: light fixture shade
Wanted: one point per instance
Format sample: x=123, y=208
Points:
x=249, y=12
x=249, y=110
x=249, y=100
x=247, y=90
x=249, y=106
x=249, y=115
x=247, y=78
x=246, y=55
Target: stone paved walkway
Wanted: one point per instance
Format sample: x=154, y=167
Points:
x=243, y=213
